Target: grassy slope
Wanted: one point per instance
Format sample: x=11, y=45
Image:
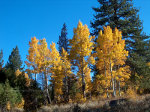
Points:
x=136, y=104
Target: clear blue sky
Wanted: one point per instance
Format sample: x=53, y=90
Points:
x=22, y=19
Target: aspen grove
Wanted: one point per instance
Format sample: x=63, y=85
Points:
x=101, y=67
x=71, y=71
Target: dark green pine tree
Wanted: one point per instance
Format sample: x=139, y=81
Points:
x=2, y=70
x=7, y=93
x=64, y=43
x=1, y=59
x=123, y=15
x=63, y=40
x=14, y=61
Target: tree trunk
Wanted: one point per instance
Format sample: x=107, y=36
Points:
x=35, y=77
x=115, y=86
x=106, y=80
x=46, y=88
x=119, y=89
x=112, y=79
x=83, y=80
x=66, y=89
x=115, y=82
x=119, y=84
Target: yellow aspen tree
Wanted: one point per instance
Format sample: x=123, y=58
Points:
x=122, y=76
x=39, y=62
x=66, y=71
x=80, y=52
x=119, y=57
x=111, y=56
x=103, y=53
x=56, y=72
x=32, y=57
x=43, y=63
x=87, y=73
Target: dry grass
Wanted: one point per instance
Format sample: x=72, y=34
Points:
x=120, y=104
x=12, y=110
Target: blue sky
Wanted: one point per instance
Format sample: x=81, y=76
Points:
x=22, y=19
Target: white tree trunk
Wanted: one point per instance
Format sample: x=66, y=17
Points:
x=112, y=79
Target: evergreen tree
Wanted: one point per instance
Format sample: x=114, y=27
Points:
x=9, y=95
x=123, y=15
x=63, y=44
x=63, y=40
x=2, y=72
x=14, y=61
x=33, y=96
x=1, y=59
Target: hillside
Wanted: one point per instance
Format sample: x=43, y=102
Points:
x=138, y=104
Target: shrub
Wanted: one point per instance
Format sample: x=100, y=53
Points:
x=9, y=96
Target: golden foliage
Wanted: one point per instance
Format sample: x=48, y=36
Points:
x=8, y=106
x=56, y=70
x=18, y=72
x=21, y=104
x=131, y=92
x=111, y=54
x=27, y=79
x=80, y=53
x=79, y=98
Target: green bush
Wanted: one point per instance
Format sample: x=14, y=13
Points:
x=9, y=94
